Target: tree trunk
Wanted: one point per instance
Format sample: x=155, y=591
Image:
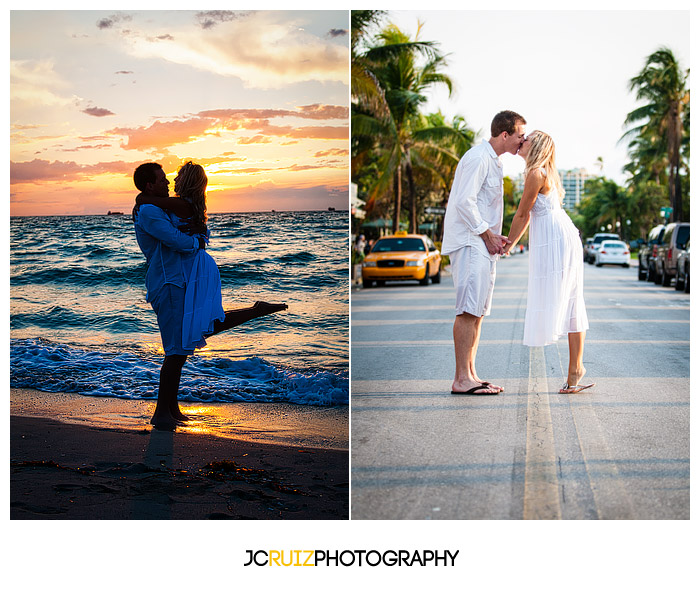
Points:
x=397, y=199
x=674, y=182
x=412, y=198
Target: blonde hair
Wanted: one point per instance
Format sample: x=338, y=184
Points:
x=542, y=156
x=192, y=184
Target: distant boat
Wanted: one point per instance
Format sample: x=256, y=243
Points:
x=109, y=212
x=330, y=208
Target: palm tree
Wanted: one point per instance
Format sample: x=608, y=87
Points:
x=662, y=86
x=605, y=203
x=649, y=159
x=362, y=81
x=385, y=118
x=437, y=148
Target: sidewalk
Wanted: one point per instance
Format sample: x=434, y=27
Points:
x=617, y=451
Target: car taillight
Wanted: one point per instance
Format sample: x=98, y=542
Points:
x=603, y=252
x=670, y=253
x=625, y=252
x=653, y=252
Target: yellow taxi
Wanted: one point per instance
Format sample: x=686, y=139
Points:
x=402, y=256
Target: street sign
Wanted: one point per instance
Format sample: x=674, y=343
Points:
x=666, y=211
x=434, y=210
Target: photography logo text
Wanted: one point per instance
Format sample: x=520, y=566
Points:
x=349, y=558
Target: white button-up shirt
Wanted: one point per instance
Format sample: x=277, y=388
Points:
x=168, y=251
x=476, y=200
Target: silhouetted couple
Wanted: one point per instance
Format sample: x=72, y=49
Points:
x=182, y=282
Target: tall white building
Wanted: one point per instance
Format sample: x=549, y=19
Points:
x=572, y=180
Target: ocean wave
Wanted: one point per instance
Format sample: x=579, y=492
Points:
x=80, y=275
x=52, y=367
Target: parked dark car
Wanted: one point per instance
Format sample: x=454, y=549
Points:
x=647, y=254
x=675, y=236
x=683, y=275
x=595, y=244
x=586, y=248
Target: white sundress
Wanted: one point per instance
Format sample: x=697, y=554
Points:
x=555, y=304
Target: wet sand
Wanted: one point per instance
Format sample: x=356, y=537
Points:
x=74, y=457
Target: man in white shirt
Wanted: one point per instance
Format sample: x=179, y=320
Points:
x=472, y=238
x=164, y=246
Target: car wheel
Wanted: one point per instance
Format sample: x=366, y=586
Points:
x=651, y=274
x=367, y=284
x=641, y=273
x=665, y=278
x=625, y=265
x=426, y=278
x=436, y=278
x=687, y=281
x=599, y=264
x=381, y=283
x=680, y=282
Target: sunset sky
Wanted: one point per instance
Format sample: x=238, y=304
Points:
x=260, y=99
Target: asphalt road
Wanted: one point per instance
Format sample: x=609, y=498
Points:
x=617, y=451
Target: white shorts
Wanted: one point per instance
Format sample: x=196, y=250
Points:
x=474, y=275
x=169, y=305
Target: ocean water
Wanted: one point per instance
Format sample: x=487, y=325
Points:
x=79, y=321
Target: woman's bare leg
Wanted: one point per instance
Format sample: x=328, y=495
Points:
x=236, y=317
x=576, y=368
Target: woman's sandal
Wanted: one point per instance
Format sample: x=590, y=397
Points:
x=567, y=389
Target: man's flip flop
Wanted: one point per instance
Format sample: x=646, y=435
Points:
x=567, y=389
x=494, y=386
x=481, y=387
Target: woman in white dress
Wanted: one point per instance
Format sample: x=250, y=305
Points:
x=555, y=304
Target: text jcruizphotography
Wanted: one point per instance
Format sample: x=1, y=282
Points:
x=348, y=558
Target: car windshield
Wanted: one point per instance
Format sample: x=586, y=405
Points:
x=613, y=244
x=602, y=238
x=682, y=236
x=399, y=244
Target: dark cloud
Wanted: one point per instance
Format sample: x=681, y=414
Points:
x=110, y=21
x=98, y=112
x=337, y=32
x=208, y=19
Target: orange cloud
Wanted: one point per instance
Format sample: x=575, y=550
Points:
x=160, y=134
x=40, y=170
x=163, y=134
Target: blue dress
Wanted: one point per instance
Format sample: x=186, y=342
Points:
x=202, y=299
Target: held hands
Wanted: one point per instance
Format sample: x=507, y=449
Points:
x=496, y=244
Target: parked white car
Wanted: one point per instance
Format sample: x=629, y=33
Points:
x=613, y=252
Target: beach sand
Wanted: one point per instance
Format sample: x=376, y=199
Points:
x=78, y=457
